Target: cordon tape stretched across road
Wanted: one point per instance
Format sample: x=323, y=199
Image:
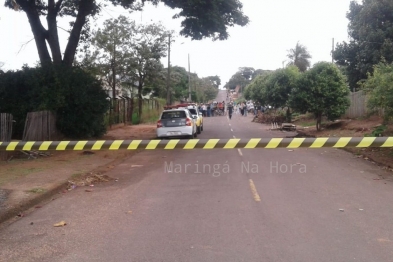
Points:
x=269, y=143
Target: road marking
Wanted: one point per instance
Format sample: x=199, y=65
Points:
x=254, y=191
x=240, y=152
x=234, y=136
x=231, y=129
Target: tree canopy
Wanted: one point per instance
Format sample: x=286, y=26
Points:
x=380, y=89
x=322, y=90
x=280, y=84
x=201, y=19
x=300, y=57
x=243, y=77
x=370, y=30
x=274, y=88
x=257, y=89
x=215, y=80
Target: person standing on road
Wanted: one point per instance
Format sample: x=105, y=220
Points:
x=245, y=109
x=204, y=110
x=230, y=110
x=255, y=109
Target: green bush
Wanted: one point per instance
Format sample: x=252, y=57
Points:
x=74, y=95
x=380, y=90
x=378, y=131
x=135, y=119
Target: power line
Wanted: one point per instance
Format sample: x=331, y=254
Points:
x=108, y=12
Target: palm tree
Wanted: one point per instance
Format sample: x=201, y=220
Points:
x=299, y=57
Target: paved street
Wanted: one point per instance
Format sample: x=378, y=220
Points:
x=218, y=205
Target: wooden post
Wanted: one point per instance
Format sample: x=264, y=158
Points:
x=132, y=110
x=6, y=122
x=124, y=111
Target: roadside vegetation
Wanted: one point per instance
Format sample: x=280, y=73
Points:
x=365, y=63
x=122, y=58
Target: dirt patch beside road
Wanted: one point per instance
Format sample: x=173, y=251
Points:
x=131, y=132
x=24, y=181
x=353, y=128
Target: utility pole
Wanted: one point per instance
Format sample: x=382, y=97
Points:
x=332, y=50
x=189, y=80
x=195, y=88
x=168, y=89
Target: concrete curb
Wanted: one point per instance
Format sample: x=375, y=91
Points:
x=29, y=203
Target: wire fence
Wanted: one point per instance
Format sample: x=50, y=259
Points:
x=126, y=111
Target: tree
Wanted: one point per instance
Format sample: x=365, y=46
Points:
x=202, y=18
x=179, y=82
x=257, y=89
x=322, y=90
x=279, y=86
x=241, y=78
x=111, y=48
x=370, y=30
x=215, y=80
x=236, y=80
x=148, y=45
x=347, y=58
x=244, y=76
x=259, y=72
x=299, y=57
x=204, y=89
x=129, y=54
x=274, y=87
x=247, y=72
x=380, y=89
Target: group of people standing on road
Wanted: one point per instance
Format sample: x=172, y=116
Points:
x=206, y=109
x=240, y=109
x=243, y=109
x=230, y=107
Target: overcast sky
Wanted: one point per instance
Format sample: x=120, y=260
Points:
x=275, y=27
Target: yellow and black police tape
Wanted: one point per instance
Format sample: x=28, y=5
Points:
x=336, y=142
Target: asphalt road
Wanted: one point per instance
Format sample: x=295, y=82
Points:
x=218, y=205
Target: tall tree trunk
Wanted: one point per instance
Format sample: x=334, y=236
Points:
x=319, y=121
x=53, y=37
x=114, y=79
x=140, y=85
x=85, y=8
x=132, y=109
x=141, y=81
x=41, y=35
x=38, y=30
x=289, y=119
